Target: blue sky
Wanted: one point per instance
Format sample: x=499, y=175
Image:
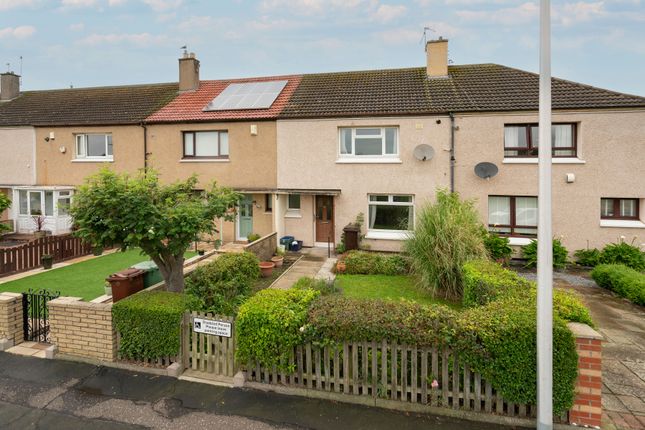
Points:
x=114, y=42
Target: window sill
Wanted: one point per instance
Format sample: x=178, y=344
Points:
x=625, y=223
x=384, y=160
x=205, y=160
x=535, y=161
x=519, y=241
x=93, y=160
x=387, y=235
x=291, y=213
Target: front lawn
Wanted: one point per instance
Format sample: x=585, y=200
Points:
x=386, y=288
x=85, y=279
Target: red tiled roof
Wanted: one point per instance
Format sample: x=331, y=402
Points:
x=188, y=106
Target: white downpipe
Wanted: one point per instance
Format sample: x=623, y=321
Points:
x=545, y=234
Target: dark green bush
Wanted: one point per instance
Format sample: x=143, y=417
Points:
x=149, y=324
x=253, y=237
x=499, y=341
x=323, y=286
x=337, y=319
x=498, y=247
x=485, y=281
x=587, y=257
x=270, y=324
x=622, y=280
x=623, y=253
x=371, y=263
x=222, y=285
x=560, y=254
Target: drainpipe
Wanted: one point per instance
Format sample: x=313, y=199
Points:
x=145, y=146
x=452, y=152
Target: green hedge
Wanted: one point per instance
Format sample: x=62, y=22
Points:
x=269, y=325
x=371, y=263
x=149, y=324
x=323, y=286
x=622, y=280
x=623, y=253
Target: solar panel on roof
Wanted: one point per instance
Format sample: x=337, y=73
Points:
x=251, y=95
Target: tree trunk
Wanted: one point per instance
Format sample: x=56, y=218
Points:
x=172, y=270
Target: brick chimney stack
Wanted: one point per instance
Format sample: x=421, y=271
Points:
x=437, y=58
x=9, y=86
x=188, y=72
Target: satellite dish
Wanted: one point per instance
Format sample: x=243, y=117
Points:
x=486, y=170
x=423, y=152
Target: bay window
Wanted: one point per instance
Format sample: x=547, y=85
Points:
x=205, y=144
x=618, y=208
x=94, y=146
x=369, y=142
x=390, y=212
x=513, y=215
x=522, y=140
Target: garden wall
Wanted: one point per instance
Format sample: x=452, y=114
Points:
x=11, y=332
x=587, y=407
x=265, y=247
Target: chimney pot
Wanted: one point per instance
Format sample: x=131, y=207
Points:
x=9, y=86
x=188, y=72
x=437, y=58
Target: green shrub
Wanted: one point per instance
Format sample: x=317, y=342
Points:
x=560, y=254
x=587, y=257
x=338, y=319
x=323, y=286
x=222, y=285
x=371, y=263
x=269, y=325
x=485, y=281
x=499, y=341
x=149, y=324
x=623, y=253
x=446, y=235
x=622, y=280
x=498, y=247
x=253, y=237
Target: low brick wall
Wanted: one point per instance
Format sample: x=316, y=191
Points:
x=11, y=327
x=587, y=406
x=264, y=247
x=82, y=329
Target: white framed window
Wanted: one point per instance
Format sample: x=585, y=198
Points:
x=94, y=146
x=293, y=203
x=33, y=203
x=390, y=213
x=205, y=144
x=366, y=142
x=64, y=201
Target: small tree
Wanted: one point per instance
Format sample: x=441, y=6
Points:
x=137, y=211
x=446, y=235
x=5, y=204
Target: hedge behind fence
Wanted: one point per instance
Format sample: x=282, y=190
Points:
x=622, y=280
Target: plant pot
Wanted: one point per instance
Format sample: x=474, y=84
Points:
x=277, y=260
x=40, y=234
x=266, y=268
x=341, y=267
x=200, y=252
x=108, y=290
x=97, y=250
x=47, y=261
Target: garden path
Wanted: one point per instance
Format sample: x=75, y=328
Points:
x=310, y=264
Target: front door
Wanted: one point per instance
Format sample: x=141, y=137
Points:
x=245, y=217
x=324, y=219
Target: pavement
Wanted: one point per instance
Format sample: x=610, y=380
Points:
x=56, y=394
x=623, y=356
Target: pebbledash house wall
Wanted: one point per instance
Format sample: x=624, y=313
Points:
x=611, y=153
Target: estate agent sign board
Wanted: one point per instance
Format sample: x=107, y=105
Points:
x=212, y=327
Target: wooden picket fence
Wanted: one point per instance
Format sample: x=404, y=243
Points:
x=389, y=371
x=27, y=257
x=214, y=355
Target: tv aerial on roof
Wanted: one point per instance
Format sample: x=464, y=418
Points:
x=486, y=170
x=423, y=152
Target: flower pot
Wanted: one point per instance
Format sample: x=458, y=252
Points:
x=201, y=252
x=47, y=261
x=340, y=267
x=266, y=268
x=277, y=260
x=108, y=289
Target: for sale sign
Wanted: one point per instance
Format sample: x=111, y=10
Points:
x=212, y=327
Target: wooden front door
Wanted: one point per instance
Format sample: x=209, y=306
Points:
x=324, y=219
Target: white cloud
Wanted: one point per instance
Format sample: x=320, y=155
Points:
x=407, y=35
x=116, y=2
x=137, y=39
x=386, y=13
x=311, y=7
x=163, y=5
x=20, y=32
x=78, y=3
x=517, y=15
x=77, y=27
x=570, y=13
x=12, y=4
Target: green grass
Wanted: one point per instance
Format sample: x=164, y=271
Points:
x=386, y=288
x=85, y=279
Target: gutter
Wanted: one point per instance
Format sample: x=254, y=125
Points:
x=145, y=146
x=452, y=152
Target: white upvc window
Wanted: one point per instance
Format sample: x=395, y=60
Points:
x=94, y=146
x=390, y=213
x=369, y=142
x=34, y=203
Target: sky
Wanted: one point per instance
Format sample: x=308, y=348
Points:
x=118, y=42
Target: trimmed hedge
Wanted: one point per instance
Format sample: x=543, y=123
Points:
x=224, y=284
x=149, y=324
x=371, y=263
x=269, y=325
x=622, y=280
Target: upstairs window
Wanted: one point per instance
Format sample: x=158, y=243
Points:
x=369, y=142
x=522, y=140
x=513, y=216
x=390, y=212
x=614, y=208
x=205, y=144
x=293, y=203
x=94, y=146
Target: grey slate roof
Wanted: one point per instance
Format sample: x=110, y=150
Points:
x=468, y=88
x=86, y=106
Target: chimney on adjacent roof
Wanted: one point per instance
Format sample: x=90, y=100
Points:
x=437, y=58
x=9, y=86
x=188, y=72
